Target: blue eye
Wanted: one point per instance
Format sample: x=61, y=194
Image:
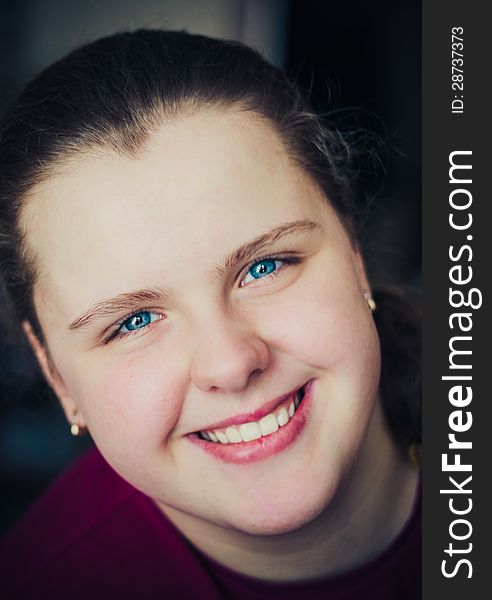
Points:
x=262, y=268
x=137, y=321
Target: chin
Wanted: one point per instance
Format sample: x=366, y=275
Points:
x=282, y=517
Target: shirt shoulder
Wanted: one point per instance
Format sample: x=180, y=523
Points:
x=88, y=489
x=92, y=535
x=79, y=501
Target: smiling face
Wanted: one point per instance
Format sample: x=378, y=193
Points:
x=197, y=287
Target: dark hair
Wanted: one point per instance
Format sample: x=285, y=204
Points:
x=111, y=95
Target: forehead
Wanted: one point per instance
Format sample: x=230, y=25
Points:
x=202, y=185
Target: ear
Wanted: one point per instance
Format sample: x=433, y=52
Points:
x=52, y=376
x=361, y=271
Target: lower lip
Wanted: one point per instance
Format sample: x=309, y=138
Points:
x=242, y=453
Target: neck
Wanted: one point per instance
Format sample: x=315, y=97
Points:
x=369, y=510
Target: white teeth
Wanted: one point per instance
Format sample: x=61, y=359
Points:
x=246, y=432
x=221, y=437
x=282, y=417
x=268, y=424
x=233, y=435
x=249, y=431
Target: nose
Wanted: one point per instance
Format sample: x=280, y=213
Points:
x=227, y=357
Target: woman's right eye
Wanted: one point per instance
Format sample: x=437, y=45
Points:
x=135, y=323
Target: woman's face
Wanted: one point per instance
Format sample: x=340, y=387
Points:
x=199, y=282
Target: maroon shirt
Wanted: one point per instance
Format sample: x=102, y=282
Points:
x=93, y=536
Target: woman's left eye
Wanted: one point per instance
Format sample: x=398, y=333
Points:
x=262, y=268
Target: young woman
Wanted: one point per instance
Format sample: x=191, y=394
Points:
x=178, y=239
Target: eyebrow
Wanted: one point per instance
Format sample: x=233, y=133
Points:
x=126, y=302
x=259, y=244
x=121, y=303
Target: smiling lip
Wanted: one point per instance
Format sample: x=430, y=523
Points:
x=256, y=415
x=264, y=447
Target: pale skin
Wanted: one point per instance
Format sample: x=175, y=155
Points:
x=220, y=343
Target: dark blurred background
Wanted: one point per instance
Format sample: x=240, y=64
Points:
x=349, y=54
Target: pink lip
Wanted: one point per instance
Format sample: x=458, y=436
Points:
x=256, y=415
x=264, y=447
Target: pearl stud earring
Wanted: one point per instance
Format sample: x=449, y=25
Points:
x=370, y=301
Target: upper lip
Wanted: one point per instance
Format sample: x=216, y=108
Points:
x=255, y=415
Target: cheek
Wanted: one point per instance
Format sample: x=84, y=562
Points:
x=323, y=326
x=329, y=329
x=131, y=404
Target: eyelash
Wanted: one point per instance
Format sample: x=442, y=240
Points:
x=117, y=334
x=286, y=260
